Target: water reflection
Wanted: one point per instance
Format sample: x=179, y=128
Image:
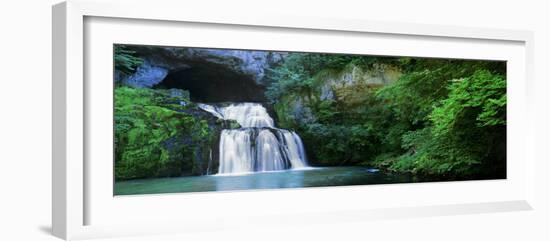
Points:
x=263, y=180
x=313, y=177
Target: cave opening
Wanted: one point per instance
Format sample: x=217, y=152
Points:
x=210, y=82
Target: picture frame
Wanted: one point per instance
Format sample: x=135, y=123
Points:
x=76, y=190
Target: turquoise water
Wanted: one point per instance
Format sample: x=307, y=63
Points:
x=315, y=177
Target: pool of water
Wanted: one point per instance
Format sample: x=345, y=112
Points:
x=313, y=177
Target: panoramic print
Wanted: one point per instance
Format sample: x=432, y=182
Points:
x=198, y=119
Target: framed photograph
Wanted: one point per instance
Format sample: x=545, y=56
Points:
x=175, y=120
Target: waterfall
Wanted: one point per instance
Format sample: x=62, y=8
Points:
x=258, y=146
x=246, y=114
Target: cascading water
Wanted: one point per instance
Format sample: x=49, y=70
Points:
x=257, y=146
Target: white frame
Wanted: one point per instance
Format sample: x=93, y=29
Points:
x=69, y=186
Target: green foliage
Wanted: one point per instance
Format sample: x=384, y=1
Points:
x=464, y=129
x=334, y=143
x=424, y=83
x=126, y=60
x=483, y=91
x=459, y=129
x=297, y=73
x=431, y=155
x=293, y=76
x=145, y=121
x=442, y=118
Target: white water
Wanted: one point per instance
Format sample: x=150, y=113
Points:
x=246, y=114
x=258, y=146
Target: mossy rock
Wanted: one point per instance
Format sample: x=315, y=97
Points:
x=157, y=136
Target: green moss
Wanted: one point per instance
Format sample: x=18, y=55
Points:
x=146, y=124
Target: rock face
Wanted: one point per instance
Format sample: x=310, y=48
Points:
x=348, y=87
x=202, y=156
x=353, y=76
x=252, y=63
x=160, y=62
x=146, y=75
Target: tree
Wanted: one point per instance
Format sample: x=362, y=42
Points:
x=126, y=60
